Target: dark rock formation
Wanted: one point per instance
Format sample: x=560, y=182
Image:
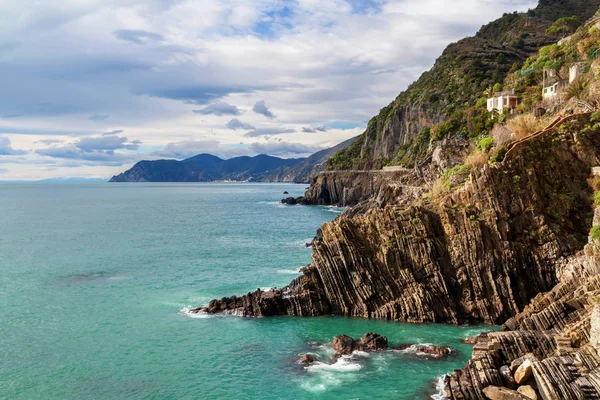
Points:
x=348, y=188
x=307, y=358
x=479, y=254
x=372, y=342
x=344, y=345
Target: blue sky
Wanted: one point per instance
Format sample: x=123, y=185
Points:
x=89, y=87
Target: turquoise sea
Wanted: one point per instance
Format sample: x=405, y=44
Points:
x=95, y=281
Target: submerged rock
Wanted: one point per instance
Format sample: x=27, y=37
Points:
x=292, y=201
x=425, y=349
x=307, y=358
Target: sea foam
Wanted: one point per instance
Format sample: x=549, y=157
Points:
x=439, y=387
x=186, y=311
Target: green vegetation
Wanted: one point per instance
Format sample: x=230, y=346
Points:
x=485, y=144
x=595, y=232
x=564, y=25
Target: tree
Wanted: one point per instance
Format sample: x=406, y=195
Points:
x=565, y=26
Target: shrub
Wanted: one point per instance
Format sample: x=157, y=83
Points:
x=524, y=125
x=498, y=154
x=595, y=118
x=477, y=159
x=595, y=232
x=441, y=130
x=485, y=144
x=440, y=187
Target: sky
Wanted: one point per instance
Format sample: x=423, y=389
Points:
x=89, y=87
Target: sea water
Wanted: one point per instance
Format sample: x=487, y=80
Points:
x=96, y=281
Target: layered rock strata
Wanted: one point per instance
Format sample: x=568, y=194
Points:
x=478, y=254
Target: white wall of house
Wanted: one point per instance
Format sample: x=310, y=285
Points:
x=499, y=103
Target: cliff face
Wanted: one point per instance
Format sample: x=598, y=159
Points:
x=348, y=188
x=558, y=332
x=480, y=253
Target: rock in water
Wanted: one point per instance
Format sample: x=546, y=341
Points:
x=307, y=358
x=286, y=192
x=372, y=342
x=501, y=393
x=344, y=344
x=524, y=372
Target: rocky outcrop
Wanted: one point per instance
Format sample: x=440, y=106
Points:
x=549, y=347
x=348, y=188
x=479, y=254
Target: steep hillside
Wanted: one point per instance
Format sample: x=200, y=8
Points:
x=443, y=100
x=205, y=168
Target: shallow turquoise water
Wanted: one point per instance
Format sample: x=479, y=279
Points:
x=94, y=278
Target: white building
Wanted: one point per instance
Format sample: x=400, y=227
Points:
x=503, y=101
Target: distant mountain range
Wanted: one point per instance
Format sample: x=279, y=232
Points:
x=209, y=168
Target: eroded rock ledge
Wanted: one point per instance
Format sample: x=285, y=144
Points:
x=479, y=254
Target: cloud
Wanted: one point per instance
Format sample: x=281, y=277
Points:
x=106, y=143
x=115, y=132
x=108, y=158
x=284, y=148
x=6, y=148
x=261, y=108
x=137, y=36
x=3, y=170
x=268, y=132
x=193, y=94
x=100, y=150
x=235, y=124
x=98, y=117
x=318, y=128
x=219, y=109
x=50, y=141
x=11, y=116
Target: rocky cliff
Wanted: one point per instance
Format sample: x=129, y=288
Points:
x=444, y=97
x=477, y=254
x=558, y=332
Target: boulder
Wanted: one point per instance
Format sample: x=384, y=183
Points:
x=372, y=342
x=344, y=344
x=502, y=393
x=507, y=377
x=528, y=392
x=524, y=372
x=517, y=362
